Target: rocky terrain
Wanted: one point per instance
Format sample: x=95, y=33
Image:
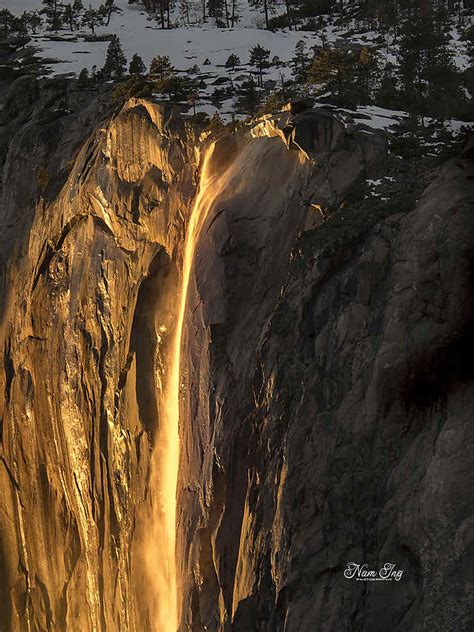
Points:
x=327, y=391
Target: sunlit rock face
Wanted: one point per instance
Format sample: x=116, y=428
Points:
x=326, y=390
x=86, y=317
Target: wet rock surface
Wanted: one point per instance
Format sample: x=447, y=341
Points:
x=327, y=388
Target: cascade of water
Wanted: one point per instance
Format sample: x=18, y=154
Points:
x=161, y=536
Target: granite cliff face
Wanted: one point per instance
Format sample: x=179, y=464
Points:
x=327, y=387
x=85, y=308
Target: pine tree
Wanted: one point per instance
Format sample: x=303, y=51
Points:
x=366, y=75
x=77, y=11
x=109, y=9
x=277, y=62
x=173, y=86
x=300, y=62
x=184, y=12
x=427, y=70
x=217, y=96
x=259, y=59
x=249, y=98
x=468, y=74
x=216, y=8
x=156, y=7
x=115, y=60
x=289, y=15
x=69, y=16
x=6, y=21
x=91, y=18
x=29, y=58
x=468, y=37
x=21, y=23
x=193, y=98
x=162, y=10
x=232, y=61
x=267, y=6
x=388, y=16
x=234, y=17
x=137, y=67
x=169, y=6
x=51, y=9
x=329, y=70
x=84, y=79
x=33, y=20
x=226, y=13
x=163, y=74
x=216, y=124
x=387, y=94
x=161, y=68
x=6, y=18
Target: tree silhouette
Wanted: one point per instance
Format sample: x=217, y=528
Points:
x=115, y=60
x=232, y=61
x=137, y=67
x=259, y=58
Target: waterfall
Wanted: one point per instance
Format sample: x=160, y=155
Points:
x=161, y=535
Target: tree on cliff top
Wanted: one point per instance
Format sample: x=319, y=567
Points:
x=428, y=76
x=300, y=61
x=329, y=70
x=115, y=60
x=249, y=98
x=137, y=67
x=161, y=68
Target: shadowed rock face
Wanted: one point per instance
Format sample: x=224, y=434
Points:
x=338, y=427
x=327, y=383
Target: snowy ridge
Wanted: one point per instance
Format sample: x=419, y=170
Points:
x=208, y=47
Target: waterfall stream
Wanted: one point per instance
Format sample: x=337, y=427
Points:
x=161, y=536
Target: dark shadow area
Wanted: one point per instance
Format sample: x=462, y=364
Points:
x=152, y=311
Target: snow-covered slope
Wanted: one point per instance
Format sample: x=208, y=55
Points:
x=186, y=47
x=139, y=34
x=208, y=48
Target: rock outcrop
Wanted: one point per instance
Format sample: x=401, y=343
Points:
x=327, y=385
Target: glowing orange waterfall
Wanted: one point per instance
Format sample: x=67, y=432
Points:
x=161, y=535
